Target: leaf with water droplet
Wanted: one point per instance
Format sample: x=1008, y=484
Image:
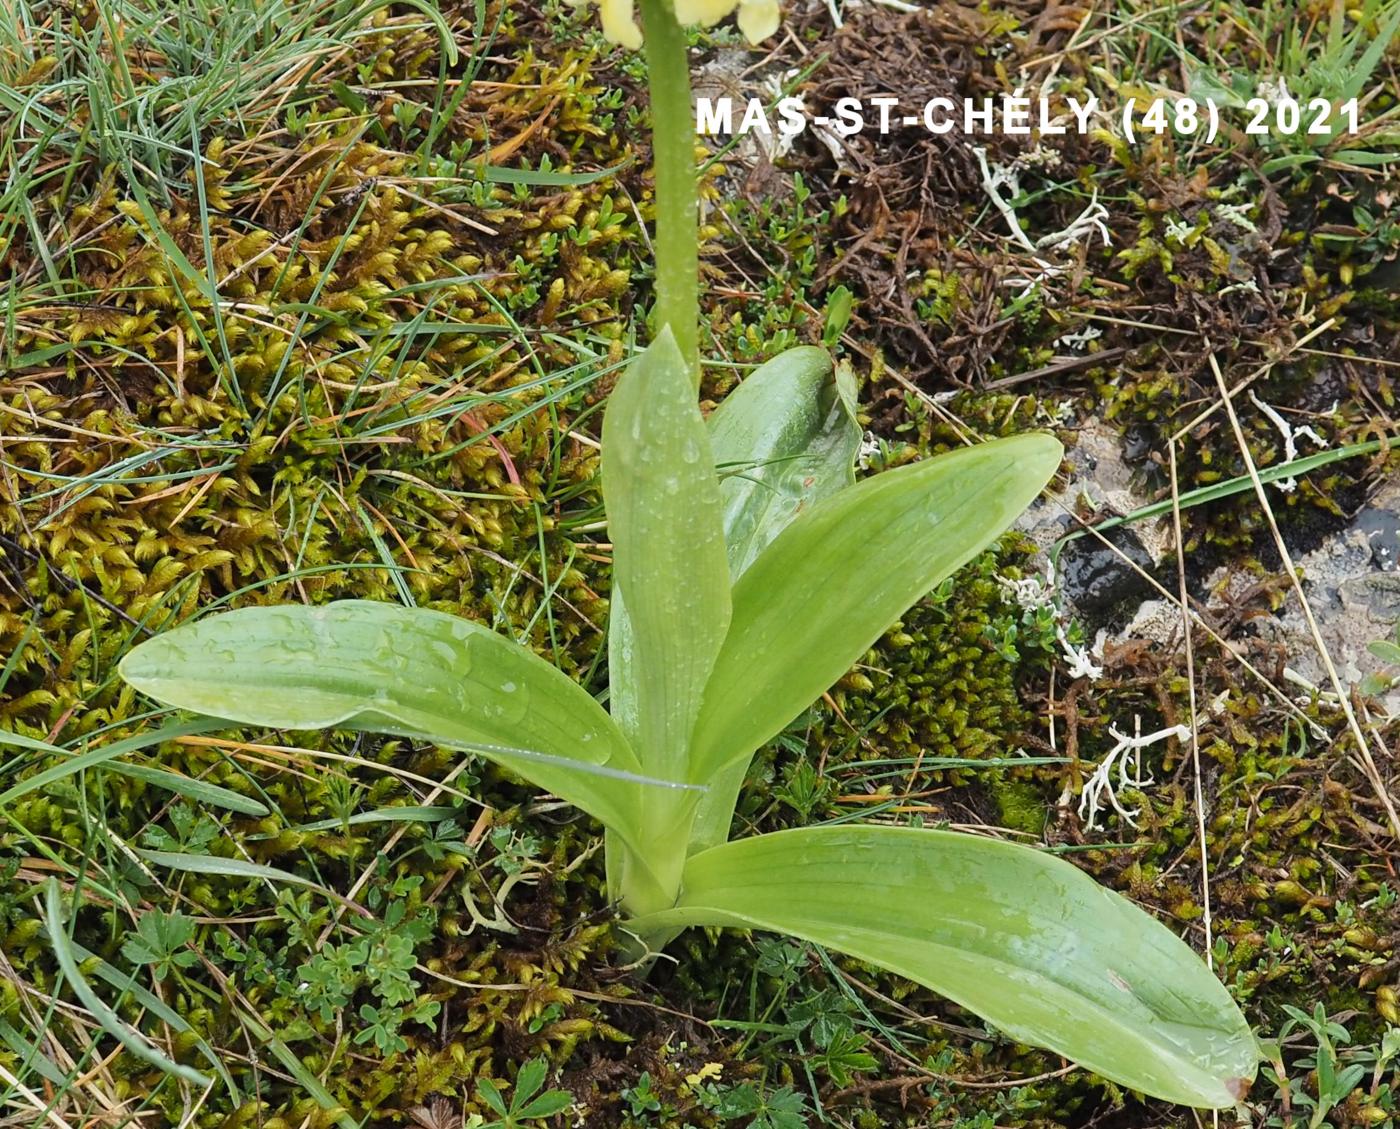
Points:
x=784, y=440
x=834, y=580
x=669, y=563
x=1017, y=935
x=407, y=671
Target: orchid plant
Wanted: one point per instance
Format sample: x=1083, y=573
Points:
x=750, y=571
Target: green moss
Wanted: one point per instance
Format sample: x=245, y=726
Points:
x=364, y=414
x=1021, y=807
x=939, y=684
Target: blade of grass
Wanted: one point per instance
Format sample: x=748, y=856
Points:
x=126, y=985
x=200, y=791
x=107, y=1019
x=1217, y=490
x=96, y=757
x=406, y=814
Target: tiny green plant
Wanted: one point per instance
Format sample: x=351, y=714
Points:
x=782, y=1108
x=641, y=1098
x=526, y=1104
x=1338, y=1073
x=1317, y=74
x=1388, y=652
x=162, y=941
x=750, y=572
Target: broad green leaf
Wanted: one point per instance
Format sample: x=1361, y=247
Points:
x=785, y=439
x=1385, y=650
x=382, y=668
x=136, y=1043
x=1016, y=935
x=669, y=568
x=842, y=572
x=670, y=597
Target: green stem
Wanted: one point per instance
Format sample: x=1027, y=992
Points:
x=673, y=154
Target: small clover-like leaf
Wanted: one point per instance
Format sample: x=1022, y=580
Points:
x=160, y=940
x=547, y=1104
x=488, y=1092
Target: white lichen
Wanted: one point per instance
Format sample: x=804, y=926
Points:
x=1100, y=792
x=1079, y=339
x=1032, y=594
x=1236, y=214
x=995, y=178
x=1291, y=435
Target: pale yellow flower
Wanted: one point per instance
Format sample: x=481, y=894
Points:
x=620, y=23
x=758, y=19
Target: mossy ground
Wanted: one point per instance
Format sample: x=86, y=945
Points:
x=332, y=357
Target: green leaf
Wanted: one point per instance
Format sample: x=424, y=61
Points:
x=488, y=1092
x=238, y=868
x=547, y=1105
x=1364, y=67
x=294, y=1066
x=525, y=1105
x=838, y=315
x=785, y=439
x=1016, y=935
x=842, y=572
x=1289, y=161
x=31, y=1057
x=350, y=99
x=404, y=814
x=358, y=664
x=224, y=867
x=1361, y=158
x=1230, y=486
x=669, y=567
x=161, y=939
x=127, y=987
x=105, y=758
x=201, y=792
x=495, y=174
x=528, y=1082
